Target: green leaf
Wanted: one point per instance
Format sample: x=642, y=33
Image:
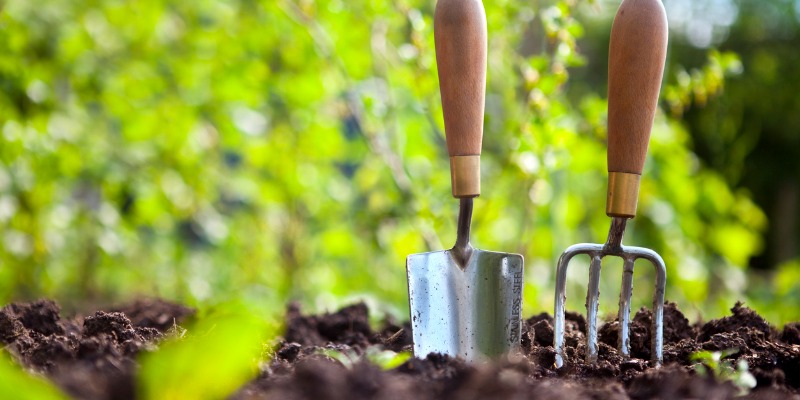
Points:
x=387, y=359
x=16, y=384
x=215, y=357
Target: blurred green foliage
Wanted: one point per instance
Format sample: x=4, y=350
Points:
x=209, y=360
x=750, y=134
x=15, y=384
x=284, y=149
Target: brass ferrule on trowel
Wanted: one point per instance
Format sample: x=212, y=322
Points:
x=623, y=194
x=465, y=176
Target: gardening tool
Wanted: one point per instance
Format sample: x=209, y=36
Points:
x=636, y=63
x=464, y=302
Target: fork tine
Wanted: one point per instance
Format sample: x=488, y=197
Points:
x=624, y=317
x=657, y=343
x=657, y=327
x=561, y=298
x=561, y=294
x=592, y=303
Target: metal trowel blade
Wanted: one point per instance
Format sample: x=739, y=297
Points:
x=470, y=311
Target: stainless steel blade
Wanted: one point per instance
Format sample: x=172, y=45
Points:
x=471, y=312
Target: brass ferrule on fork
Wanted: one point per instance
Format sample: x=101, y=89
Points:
x=623, y=194
x=465, y=176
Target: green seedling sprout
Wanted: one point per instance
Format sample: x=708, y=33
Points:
x=346, y=357
x=176, y=331
x=384, y=359
x=715, y=365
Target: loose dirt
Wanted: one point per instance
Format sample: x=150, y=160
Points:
x=91, y=357
x=94, y=357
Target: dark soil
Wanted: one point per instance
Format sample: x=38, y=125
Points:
x=298, y=369
x=93, y=357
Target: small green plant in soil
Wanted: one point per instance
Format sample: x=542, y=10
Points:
x=715, y=364
x=384, y=359
x=138, y=352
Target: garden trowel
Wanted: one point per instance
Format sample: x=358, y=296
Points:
x=464, y=302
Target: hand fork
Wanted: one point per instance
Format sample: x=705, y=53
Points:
x=637, y=53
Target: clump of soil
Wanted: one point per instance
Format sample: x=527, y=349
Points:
x=92, y=357
x=299, y=370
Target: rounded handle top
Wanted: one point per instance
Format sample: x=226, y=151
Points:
x=637, y=53
x=459, y=29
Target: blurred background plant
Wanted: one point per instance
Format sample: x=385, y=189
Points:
x=293, y=149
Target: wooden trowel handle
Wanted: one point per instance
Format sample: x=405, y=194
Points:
x=637, y=53
x=459, y=30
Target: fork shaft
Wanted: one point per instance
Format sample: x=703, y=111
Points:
x=615, y=232
x=592, y=303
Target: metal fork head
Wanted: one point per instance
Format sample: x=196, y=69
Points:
x=613, y=247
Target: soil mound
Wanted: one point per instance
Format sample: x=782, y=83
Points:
x=92, y=357
x=89, y=357
x=300, y=370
